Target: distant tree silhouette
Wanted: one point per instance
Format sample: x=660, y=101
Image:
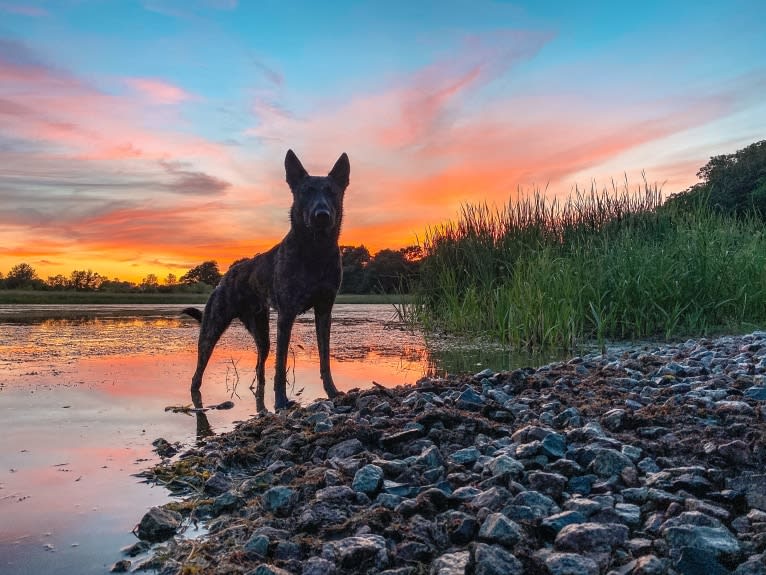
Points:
x=150, y=283
x=355, y=261
x=171, y=280
x=22, y=276
x=82, y=280
x=207, y=273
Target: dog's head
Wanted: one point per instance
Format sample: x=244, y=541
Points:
x=317, y=200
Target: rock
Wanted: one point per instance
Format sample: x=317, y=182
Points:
x=504, y=465
x=121, y=566
x=753, y=485
x=345, y=449
x=736, y=452
x=550, y=484
x=649, y=565
x=257, y=545
x=470, y=400
x=613, y=419
x=591, y=537
x=359, y=552
x=451, y=564
x=158, y=524
x=318, y=566
x=553, y=445
x=461, y=527
x=494, y=560
x=265, y=569
x=716, y=540
x=555, y=523
x=497, y=528
x=217, y=484
x=278, y=500
x=694, y=561
x=608, y=462
x=465, y=456
x=756, y=393
x=570, y=564
x=541, y=505
x=430, y=458
x=368, y=479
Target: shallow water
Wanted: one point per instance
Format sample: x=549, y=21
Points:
x=83, y=392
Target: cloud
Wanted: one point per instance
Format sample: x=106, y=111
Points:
x=191, y=182
x=24, y=10
x=158, y=91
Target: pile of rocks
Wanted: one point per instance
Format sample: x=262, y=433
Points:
x=646, y=461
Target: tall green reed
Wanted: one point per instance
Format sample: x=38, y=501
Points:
x=541, y=272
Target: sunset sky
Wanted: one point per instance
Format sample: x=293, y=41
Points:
x=143, y=137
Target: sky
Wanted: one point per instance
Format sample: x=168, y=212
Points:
x=145, y=137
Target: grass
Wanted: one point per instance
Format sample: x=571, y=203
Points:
x=601, y=265
x=86, y=298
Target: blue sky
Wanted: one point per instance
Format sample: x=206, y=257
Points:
x=145, y=137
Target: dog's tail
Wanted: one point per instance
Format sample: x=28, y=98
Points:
x=193, y=312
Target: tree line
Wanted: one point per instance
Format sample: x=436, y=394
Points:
x=388, y=271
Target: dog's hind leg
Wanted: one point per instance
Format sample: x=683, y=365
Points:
x=284, y=329
x=215, y=320
x=258, y=326
x=323, y=320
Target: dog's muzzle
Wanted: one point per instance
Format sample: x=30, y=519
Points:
x=322, y=219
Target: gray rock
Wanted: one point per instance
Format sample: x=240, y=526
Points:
x=430, y=458
x=753, y=566
x=465, y=456
x=217, y=484
x=754, y=487
x=504, y=465
x=591, y=537
x=345, y=449
x=613, y=419
x=717, y=540
x=553, y=445
x=278, y=499
x=608, y=462
x=649, y=565
x=257, y=545
x=265, y=569
x=541, y=505
x=494, y=560
x=570, y=564
x=693, y=561
x=470, y=400
x=555, y=523
x=736, y=452
x=368, y=479
x=451, y=563
x=159, y=524
x=550, y=484
x=494, y=498
x=756, y=393
x=359, y=552
x=497, y=528
x=318, y=566
x=629, y=513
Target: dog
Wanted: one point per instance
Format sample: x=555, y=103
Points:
x=301, y=272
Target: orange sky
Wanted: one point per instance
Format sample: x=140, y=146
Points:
x=147, y=139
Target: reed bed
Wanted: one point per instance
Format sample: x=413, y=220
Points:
x=612, y=264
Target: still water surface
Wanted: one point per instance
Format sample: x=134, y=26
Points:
x=83, y=392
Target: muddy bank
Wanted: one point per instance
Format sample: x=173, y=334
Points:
x=646, y=461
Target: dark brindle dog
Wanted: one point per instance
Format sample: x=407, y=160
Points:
x=301, y=272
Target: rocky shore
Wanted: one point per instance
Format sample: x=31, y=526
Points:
x=647, y=461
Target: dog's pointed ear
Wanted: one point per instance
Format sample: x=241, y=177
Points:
x=294, y=170
x=341, y=170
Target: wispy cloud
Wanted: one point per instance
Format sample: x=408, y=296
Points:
x=158, y=91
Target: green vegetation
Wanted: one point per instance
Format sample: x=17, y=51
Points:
x=540, y=274
x=731, y=183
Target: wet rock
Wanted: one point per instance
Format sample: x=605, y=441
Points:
x=318, y=566
x=359, y=552
x=368, y=479
x=158, y=524
x=278, y=500
x=753, y=485
x=470, y=400
x=217, y=484
x=451, y=564
x=497, y=528
x=716, y=540
x=694, y=561
x=494, y=560
x=164, y=448
x=257, y=545
x=570, y=564
x=121, y=566
x=591, y=537
x=345, y=449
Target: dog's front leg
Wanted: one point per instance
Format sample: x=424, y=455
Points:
x=285, y=322
x=323, y=320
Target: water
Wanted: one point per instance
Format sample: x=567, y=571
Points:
x=83, y=392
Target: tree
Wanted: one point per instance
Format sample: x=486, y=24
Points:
x=149, y=283
x=21, y=275
x=82, y=280
x=171, y=280
x=207, y=272
x=732, y=183
x=355, y=261
x=390, y=271
x=58, y=282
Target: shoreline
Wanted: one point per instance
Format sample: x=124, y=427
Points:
x=645, y=460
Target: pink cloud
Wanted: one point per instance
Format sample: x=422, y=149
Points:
x=158, y=91
x=24, y=10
